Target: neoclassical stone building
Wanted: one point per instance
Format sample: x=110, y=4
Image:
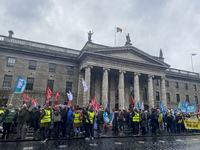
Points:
x=112, y=74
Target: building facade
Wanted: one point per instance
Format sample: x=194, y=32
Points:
x=112, y=74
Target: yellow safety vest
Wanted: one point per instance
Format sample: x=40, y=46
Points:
x=136, y=118
x=180, y=121
x=47, y=117
x=76, y=118
x=1, y=112
x=91, y=117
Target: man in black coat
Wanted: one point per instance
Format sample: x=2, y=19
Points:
x=64, y=114
x=36, y=116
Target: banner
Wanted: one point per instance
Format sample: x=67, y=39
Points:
x=34, y=102
x=190, y=108
x=96, y=107
x=48, y=95
x=20, y=85
x=56, y=101
x=26, y=99
x=192, y=123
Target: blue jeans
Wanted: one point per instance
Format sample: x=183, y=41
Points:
x=69, y=127
x=43, y=133
x=77, y=128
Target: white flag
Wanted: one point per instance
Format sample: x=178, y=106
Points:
x=142, y=106
x=70, y=96
x=84, y=85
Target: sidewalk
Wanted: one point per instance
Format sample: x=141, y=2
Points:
x=104, y=134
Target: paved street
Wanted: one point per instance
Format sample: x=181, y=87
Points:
x=143, y=143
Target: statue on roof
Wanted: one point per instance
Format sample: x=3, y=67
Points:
x=90, y=33
x=128, y=40
x=161, y=53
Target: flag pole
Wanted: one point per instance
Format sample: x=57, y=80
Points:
x=192, y=63
x=11, y=98
x=115, y=36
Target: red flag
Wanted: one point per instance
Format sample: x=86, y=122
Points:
x=34, y=102
x=69, y=104
x=26, y=98
x=56, y=100
x=48, y=95
x=132, y=101
x=96, y=107
x=93, y=102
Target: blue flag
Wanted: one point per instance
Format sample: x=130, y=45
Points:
x=186, y=103
x=175, y=112
x=138, y=105
x=107, y=106
x=20, y=85
x=161, y=106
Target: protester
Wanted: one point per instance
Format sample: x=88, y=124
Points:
x=78, y=117
x=36, y=117
x=64, y=115
x=70, y=120
x=57, y=121
x=160, y=121
x=143, y=121
x=136, y=120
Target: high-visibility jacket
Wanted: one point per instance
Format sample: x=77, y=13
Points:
x=1, y=112
x=76, y=118
x=136, y=118
x=9, y=118
x=91, y=117
x=47, y=117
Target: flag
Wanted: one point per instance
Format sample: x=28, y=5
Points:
x=179, y=105
x=93, y=102
x=63, y=104
x=161, y=106
x=56, y=100
x=70, y=96
x=191, y=108
x=107, y=106
x=186, y=103
x=69, y=104
x=20, y=85
x=84, y=85
x=142, y=106
x=96, y=107
x=34, y=102
x=175, y=112
x=193, y=54
x=48, y=95
x=138, y=105
x=119, y=29
x=26, y=99
x=132, y=102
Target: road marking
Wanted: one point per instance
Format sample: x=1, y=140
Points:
x=119, y=143
x=161, y=141
x=63, y=146
x=179, y=140
x=93, y=144
x=27, y=148
x=141, y=142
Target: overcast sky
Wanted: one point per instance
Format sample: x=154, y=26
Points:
x=173, y=25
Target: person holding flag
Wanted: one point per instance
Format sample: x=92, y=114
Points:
x=136, y=119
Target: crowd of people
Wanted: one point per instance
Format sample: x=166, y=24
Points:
x=65, y=121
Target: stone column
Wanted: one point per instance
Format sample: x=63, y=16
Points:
x=80, y=90
x=97, y=88
x=112, y=94
x=150, y=91
x=86, y=97
x=105, y=87
x=136, y=89
x=121, y=90
x=163, y=92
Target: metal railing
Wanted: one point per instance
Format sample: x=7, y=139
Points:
x=182, y=72
x=8, y=40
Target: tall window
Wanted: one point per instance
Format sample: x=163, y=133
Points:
x=50, y=84
x=29, y=85
x=144, y=93
x=196, y=99
x=32, y=64
x=195, y=87
x=157, y=96
x=166, y=83
x=186, y=86
x=178, y=97
x=176, y=85
x=7, y=81
x=11, y=62
x=156, y=82
x=52, y=67
x=70, y=70
x=187, y=98
x=168, y=97
x=68, y=86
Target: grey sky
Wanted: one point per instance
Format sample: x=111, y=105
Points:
x=173, y=25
